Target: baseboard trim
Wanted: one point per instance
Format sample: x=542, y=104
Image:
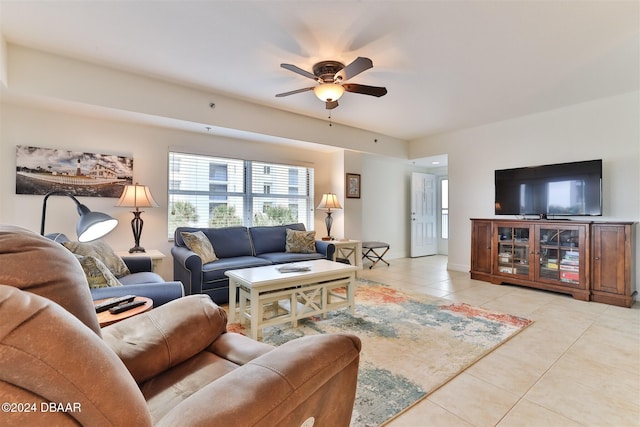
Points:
x=458, y=267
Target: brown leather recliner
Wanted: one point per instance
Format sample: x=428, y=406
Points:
x=173, y=366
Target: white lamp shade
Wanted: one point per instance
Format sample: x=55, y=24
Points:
x=329, y=201
x=136, y=196
x=328, y=91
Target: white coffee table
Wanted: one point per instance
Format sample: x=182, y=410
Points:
x=291, y=296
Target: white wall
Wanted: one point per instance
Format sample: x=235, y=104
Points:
x=148, y=145
x=33, y=73
x=607, y=129
x=380, y=214
x=385, y=203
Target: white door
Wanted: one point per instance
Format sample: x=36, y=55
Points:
x=424, y=234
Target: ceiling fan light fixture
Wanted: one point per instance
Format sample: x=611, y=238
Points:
x=328, y=92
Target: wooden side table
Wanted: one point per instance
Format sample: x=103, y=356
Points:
x=349, y=250
x=105, y=318
x=155, y=255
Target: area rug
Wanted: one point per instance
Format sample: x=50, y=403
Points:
x=411, y=345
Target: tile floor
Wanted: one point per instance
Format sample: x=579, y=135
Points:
x=577, y=365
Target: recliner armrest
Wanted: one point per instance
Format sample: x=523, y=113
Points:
x=239, y=349
x=310, y=377
x=152, y=342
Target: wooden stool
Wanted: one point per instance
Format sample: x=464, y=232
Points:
x=369, y=252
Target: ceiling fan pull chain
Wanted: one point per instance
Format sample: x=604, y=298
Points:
x=330, y=124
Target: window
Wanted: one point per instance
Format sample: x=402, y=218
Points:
x=207, y=191
x=444, y=202
x=283, y=196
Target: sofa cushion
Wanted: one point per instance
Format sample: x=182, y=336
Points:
x=98, y=275
x=199, y=243
x=227, y=242
x=285, y=257
x=272, y=238
x=301, y=242
x=214, y=271
x=101, y=251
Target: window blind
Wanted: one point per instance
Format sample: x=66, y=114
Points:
x=207, y=191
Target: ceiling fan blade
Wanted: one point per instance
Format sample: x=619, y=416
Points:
x=359, y=65
x=331, y=105
x=298, y=70
x=293, y=92
x=365, y=90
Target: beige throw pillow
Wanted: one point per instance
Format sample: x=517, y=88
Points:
x=303, y=242
x=101, y=251
x=199, y=243
x=98, y=275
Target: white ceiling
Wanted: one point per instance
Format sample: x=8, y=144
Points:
x=446, y=64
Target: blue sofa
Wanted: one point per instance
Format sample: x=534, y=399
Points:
x=236, y=247
x=141, y=282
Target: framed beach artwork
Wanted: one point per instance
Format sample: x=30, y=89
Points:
x=353, y=186
x=41, y=170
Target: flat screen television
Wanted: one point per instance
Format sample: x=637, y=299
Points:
x=563, y=189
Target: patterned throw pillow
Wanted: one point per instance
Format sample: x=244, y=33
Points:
x=101, y=251
x=303, y=242
x=199, y=243
x=98, y=275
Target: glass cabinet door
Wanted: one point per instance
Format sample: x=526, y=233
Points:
x=513, y=250
x=560, y=255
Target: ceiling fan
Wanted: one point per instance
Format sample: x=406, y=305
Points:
x=331, y=77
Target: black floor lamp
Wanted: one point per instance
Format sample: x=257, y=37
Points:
x=329, y=201
x=91, y=225
x=136, y=196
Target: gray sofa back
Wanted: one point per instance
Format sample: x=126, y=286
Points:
x=272, y=238
x=228, y=242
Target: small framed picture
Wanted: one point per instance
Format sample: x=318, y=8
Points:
x=353, y=186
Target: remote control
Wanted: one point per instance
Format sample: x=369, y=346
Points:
x=125, y=307
x=106, y=305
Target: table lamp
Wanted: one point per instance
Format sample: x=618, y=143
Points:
x=91, y=225
x=136, y=196
x=329, y=201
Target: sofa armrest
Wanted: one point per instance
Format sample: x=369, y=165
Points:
x=310, y=377
x=160, y=293
x=138, y=264
x=152, y=342
x=326, y=248
x=187, y=268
